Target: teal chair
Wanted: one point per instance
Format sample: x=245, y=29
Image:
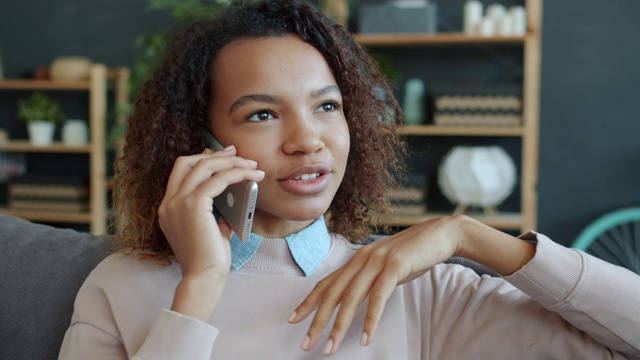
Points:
x=614, y=237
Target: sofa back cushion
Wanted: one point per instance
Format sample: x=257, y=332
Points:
x=41, y=270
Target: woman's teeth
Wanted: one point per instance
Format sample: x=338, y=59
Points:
x=307, y=177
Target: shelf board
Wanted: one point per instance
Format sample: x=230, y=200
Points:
x=34, y=84
x=56, y=147
x=461, y=130
x=504, y=221
x=446, y=38
x=49, y=216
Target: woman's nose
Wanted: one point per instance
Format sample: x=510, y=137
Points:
x=303, y=136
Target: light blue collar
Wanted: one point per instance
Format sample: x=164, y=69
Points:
x=309, y=247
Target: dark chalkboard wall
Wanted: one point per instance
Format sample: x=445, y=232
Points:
x=590, y=127
x=590, y=119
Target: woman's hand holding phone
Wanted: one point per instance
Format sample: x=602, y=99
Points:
x=200, y=244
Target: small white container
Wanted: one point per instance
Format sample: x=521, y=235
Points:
x=504, y=26
x=472, y=17
x=487, y=27
x=518, y=20
x=496, y=11
x=75, y=132
x=414, y=102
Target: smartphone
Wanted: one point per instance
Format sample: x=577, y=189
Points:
x=237, y=203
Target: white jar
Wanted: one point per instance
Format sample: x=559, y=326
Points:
x=518, y=20
x=472, y=17
x=75, y=132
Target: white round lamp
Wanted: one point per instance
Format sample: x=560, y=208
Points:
x=481, y=176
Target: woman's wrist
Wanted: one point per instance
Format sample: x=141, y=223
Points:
x=490, y=247
x=198, y=295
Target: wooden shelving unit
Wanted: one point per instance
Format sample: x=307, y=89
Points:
x=528, y=132
x=97, y=85
x=438, y=39
x=56, y=147
x=435, y=130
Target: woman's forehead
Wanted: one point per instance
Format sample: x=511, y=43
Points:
x=270, y=60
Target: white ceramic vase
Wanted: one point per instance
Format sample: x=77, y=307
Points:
x=75, y=133
x=41, y=132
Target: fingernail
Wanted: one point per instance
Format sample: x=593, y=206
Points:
x=253, y=162
x=364, y=338
x=230, y=147
x=260, y=172
x=328, y=347
x=305, y=343
x=292, y=316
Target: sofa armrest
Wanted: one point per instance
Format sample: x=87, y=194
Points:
x=42, y=268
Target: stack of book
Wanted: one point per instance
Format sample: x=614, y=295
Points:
x=411, y=199
x=48, y=193
x=487, y=107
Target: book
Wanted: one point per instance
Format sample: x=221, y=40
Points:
x=42, y=192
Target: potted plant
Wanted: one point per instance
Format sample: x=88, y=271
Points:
x=41, y=113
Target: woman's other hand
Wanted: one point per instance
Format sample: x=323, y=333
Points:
x=376, y=269
x=201, y=246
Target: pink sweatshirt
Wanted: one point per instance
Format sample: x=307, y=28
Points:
x=564, y=304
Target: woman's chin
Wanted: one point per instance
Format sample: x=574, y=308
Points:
x=307, y=213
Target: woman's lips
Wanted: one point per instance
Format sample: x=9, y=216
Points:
x=307, y=180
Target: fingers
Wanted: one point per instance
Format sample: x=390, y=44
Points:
x=185, y=213
x=368, y=275
x=225, y=228
x=191, y=172
x=378, y=296
x=314, y=298
x=359, y=288
x=184, y=164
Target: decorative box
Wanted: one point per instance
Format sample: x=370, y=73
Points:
x=395, y=17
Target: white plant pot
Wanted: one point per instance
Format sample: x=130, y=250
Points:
x=41, y=132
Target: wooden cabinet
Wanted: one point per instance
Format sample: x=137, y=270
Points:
x=97, y=86
x=527, y=132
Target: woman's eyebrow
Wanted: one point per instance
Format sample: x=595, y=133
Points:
x=324, y=91
x=254, y=98
x=270, y=99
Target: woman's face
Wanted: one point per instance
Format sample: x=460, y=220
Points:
x=277, y=101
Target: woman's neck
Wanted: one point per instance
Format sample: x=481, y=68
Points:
x=270, y=226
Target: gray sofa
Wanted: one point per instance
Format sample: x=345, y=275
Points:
x=41, y=270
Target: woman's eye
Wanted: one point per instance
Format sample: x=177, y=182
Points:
x=328, y=106
x=260, y=116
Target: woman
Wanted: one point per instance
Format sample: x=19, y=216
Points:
x=297, y=104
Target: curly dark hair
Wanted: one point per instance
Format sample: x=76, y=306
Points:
x=172, y=108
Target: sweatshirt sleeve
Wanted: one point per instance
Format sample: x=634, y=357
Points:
x=121, y=311
x=172, y=336
x=176, y=336
x=596, y=297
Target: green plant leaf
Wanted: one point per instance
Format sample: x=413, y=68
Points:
x=40, y=107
